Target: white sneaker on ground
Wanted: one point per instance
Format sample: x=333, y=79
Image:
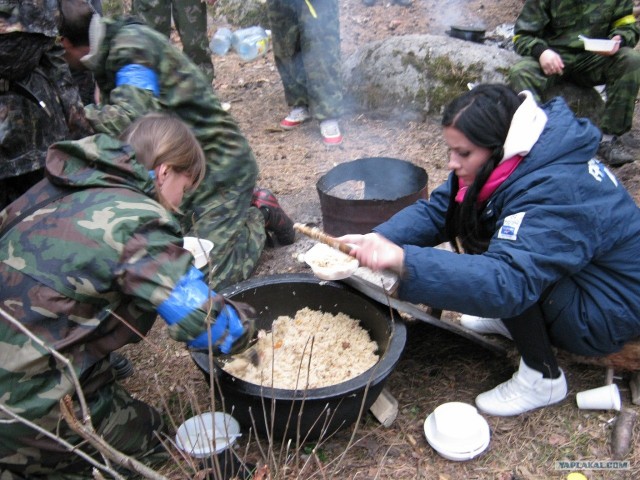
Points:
x=485, y=325
x=330, y=131
x=297, y=116
x=527, y=390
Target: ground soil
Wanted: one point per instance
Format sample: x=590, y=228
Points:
x=437, y=366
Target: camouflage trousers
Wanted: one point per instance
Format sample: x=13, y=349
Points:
x=620, y=73
x=306, y=48
x=128, y=425
x=190, y=19
x=234, y=226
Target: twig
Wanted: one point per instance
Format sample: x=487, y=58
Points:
x=86, y=415
x=61, y=441
x=96, y=441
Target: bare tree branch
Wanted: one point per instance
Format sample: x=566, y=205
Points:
x=89, y=434
x=61, y=358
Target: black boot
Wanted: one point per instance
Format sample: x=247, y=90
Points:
x=121, y=364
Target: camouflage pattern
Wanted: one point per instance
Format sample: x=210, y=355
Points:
x=32, y=70
x=190, y=18
x=220, y=208
x=556, y=24
x=306, y=49
x=78, y=252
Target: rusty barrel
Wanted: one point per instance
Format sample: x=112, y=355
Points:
x=375, y=189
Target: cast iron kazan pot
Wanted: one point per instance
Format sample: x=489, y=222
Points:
x=472, y=34
x=306, y=415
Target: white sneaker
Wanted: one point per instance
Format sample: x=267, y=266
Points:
x=485, y=325
x=330, y=131
x=296, y=117
x=527, y=390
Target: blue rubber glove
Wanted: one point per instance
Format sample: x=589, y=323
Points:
x=191, y=293
x=227, y=320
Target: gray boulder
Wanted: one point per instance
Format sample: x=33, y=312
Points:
x=242, y=13
x=413, y=76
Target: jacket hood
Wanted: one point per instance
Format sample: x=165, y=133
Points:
x=565, y=139
x=97, y=161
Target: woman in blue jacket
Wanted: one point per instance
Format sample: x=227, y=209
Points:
x=546, y=240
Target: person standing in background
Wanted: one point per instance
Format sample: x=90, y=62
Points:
x=547, y=34
x=306, y=48
x=190, y=19
x=84, y=78
x=39, y=103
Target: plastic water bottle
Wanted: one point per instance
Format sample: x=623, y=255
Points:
x=243, y=33
x=221, y=41
x=253, y=47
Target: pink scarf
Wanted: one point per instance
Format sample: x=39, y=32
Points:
x=497, y=177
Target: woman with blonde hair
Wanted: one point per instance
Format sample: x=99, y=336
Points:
x=89, y=257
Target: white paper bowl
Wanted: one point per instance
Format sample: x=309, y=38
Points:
x=207, y=434
x=329, y=263
x=199, y=248
x=456, y=431
x=598, y=44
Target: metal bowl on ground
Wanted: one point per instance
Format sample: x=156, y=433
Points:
x=376, y=189
x=470, y=33
x=318, y=412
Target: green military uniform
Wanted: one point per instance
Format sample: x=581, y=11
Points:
x=306, y=48
x=39, y=103
x=220, y=208
x=190, y=18
x=79, y=252
x=555, y=25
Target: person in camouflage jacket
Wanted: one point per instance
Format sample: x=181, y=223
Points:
x=190, y=18
x=39, y=103
x=88, y=258
x=138, y=70
x=547, y=34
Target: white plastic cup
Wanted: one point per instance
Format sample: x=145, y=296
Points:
x=454, y=420
x=200, y=248
x=601, y=398
x=207, y=434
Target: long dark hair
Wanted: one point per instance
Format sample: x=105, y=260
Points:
x=484, y=116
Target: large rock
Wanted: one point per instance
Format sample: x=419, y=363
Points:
x=243, y=13
x=413, y=76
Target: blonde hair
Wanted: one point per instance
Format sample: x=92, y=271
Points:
x=162, y=139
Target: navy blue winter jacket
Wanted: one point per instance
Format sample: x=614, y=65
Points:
x=565, y=230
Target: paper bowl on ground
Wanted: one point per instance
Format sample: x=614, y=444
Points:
x=329, y=263
x=456, y=431
x=598, y=44
x=200, y=248
x=207, y=434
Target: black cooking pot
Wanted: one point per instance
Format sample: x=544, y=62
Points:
x=471, y=34
x=318, y=412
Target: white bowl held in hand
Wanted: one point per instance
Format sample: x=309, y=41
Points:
x=329, y=263
x=207, y=434
x=200, y=248
x=456, y=431
x=600, y=45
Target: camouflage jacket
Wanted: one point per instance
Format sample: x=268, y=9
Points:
x=556, y=24
x=184, y=90
x=39, y=103
x=78, y=252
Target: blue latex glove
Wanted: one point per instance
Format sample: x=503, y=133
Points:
x=191, y=293
x=227, y=320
